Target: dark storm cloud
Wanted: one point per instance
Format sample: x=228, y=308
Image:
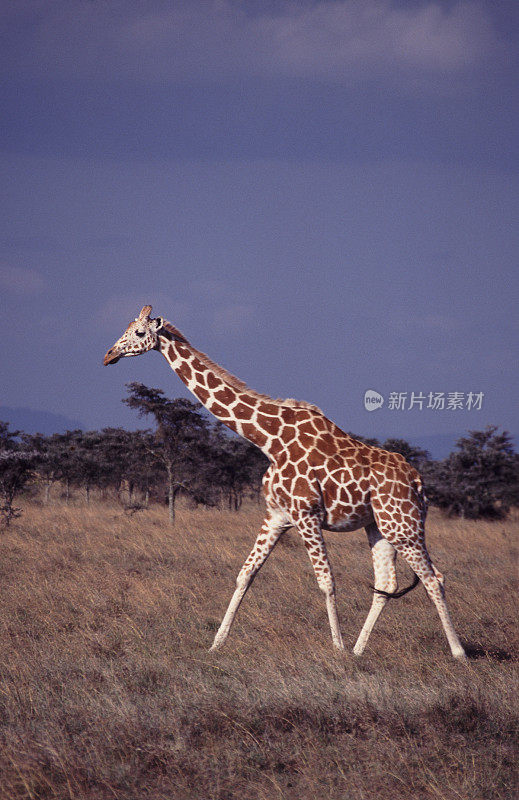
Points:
x=322, y=195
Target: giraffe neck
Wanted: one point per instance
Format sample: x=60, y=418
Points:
x=226, y=397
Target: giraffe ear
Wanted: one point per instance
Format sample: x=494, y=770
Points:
x=157, y=323
x=145, y=312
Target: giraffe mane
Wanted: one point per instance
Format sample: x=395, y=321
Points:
x=167, y=326
x=231, y=379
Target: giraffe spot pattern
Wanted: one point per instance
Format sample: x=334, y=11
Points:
x=242, y=411
x=224, y=396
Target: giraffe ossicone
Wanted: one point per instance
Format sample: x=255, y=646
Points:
x=319, y=478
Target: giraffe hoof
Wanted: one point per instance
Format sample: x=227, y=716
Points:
x=461, y=656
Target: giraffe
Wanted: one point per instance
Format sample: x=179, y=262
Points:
x=319, y=478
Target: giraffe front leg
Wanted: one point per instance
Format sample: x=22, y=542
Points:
x=311, y=533
x=275, y=524
x=384, y=555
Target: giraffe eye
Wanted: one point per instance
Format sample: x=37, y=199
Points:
x=140, y=333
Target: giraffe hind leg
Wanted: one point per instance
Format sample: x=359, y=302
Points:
x=402, y=592
x=384, y=555
x=407, y=536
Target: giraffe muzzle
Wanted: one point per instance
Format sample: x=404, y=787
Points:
x=111, y=357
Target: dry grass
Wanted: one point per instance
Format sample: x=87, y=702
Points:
x=107, y=689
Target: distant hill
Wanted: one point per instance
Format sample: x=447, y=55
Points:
x=31, y=421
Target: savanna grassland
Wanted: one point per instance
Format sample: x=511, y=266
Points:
x=107, y=688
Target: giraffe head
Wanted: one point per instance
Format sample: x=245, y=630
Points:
x=140, y=336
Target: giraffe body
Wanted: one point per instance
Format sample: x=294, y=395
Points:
x=319, y=478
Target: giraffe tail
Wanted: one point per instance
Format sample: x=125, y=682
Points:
x=393, y=595
x=419, y=489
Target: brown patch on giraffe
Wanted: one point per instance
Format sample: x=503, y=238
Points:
x=306, y=441
x=252, y=433
x=182, y=351
x=218, y=410
x=296, y=451
x=289, y=471
x=308, y=428
x=202, y=394
x=281, y=458
x=213, y=381
x=248, y=400
x=225, y=395
x=289, y=416
x=356, y=495
x=287, y=482
x=344, y=495
x=242, y=412
x=184, y=370
x=268, y=408
x=199, y=365
x=400, y=491
x=270, y=424
x=320, y=423
x=325, y=444
x=276, y=447
x=301, y=487
x=199, y=378
x=288, y=433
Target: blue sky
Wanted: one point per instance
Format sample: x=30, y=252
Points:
x=321, y=195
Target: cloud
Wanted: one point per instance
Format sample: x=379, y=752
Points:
x=20, y=280
x=338, y=40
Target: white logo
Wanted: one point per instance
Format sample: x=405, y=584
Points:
x=372, y=400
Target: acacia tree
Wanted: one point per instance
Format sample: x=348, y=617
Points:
x=88, y=468
x=179, y=443
x=128, y=462
x=50, y=451
x=16, y=470
x=479, y=479
x=235, y=466
x=142, y=472
x=69, y=446
x=414, y=455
